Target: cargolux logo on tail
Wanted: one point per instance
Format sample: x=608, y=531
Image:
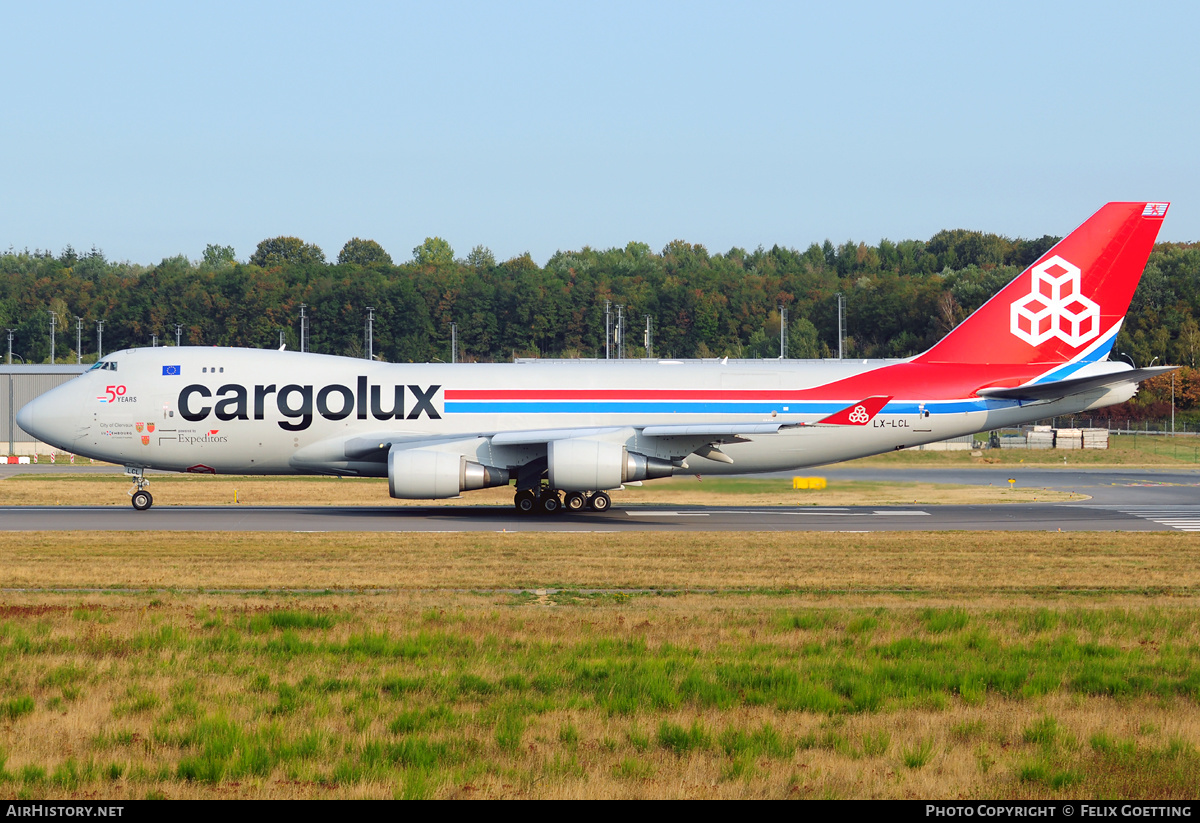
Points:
x=1055, y=307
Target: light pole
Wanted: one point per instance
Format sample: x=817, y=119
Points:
x=370, y=332
x=78, y=339
x=99, y=339
x=11, y=332
x=621, y=331
x=303, y=327
x=783, y=341
x=839, y=297
x=53, y=323
x=453, y=342
x=178, y=333
x=649, y=340
x=607, y=329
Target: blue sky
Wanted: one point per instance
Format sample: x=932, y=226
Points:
x=152, y=129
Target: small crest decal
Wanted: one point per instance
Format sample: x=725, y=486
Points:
x=149, y=427
x=145, y=440
x=139, y=426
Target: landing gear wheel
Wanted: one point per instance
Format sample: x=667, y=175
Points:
x=550, y=503
x=525, y=501
x=599, y=502
x=575, y=501
x=142, y=500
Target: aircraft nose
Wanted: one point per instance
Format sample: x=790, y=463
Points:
x=49, y=419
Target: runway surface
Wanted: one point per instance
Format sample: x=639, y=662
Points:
x=1120, y=500
x=1014, y=517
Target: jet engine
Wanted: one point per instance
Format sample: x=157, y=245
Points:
x=592, y=465
x=424, y=474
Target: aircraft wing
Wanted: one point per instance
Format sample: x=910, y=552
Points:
x=1073, y=385
x=375, y=447
x=364, y=445
x=714, y=429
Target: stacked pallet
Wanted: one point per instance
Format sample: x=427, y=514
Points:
x=1095, y=438
x=1039, y=439
x=964, y=443
x=1068, y=439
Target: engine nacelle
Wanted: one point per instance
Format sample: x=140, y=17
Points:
x=424, y=474
x=593, y=465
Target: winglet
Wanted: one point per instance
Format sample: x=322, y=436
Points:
x=857, y=414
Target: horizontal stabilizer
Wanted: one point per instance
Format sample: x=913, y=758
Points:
x=1076, y=385
x=856, y=414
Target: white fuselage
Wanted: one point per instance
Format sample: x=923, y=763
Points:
x=253, y=411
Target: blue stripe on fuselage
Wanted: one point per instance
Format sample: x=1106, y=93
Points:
x=702, y=407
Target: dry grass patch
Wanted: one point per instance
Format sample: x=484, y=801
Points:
x=951, y=565
x=1126, y=451
x=201, y=490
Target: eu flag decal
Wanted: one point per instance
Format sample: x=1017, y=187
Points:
x=170, y=371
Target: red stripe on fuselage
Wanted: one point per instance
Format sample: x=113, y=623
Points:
x=926, y=381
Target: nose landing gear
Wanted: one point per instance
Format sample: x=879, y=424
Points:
x=140, y=498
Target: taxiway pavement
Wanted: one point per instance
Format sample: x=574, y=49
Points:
x=1119, y=500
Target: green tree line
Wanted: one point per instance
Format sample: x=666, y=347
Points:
x=900, y=298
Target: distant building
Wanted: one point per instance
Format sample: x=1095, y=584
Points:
x=19, y=385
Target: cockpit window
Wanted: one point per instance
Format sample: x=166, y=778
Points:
x=106, y=365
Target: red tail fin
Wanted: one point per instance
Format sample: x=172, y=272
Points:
x=1069, y=303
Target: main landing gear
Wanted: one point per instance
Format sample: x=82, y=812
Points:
x=140, y=498
x=549, y=501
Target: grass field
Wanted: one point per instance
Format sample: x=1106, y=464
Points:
x=1125, y=450
x=599, y=665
